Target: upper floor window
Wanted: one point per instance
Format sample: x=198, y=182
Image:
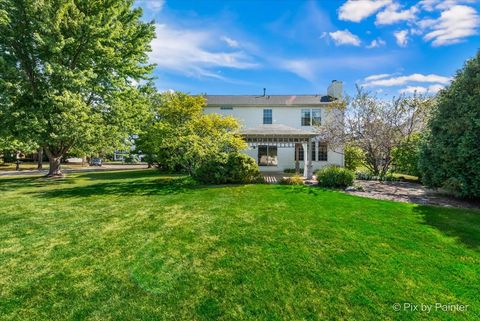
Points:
x=306, y=121
x=267, y=116
x=316, y=117
x=311, y=117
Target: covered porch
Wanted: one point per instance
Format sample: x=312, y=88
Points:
x=268, y=139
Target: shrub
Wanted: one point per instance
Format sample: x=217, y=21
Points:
x=406, y=156
x=334, y=176
x=233, y=168
x=354, y=157
x=293, y=180
x=289, y=170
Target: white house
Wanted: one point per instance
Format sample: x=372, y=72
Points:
x=281, y=130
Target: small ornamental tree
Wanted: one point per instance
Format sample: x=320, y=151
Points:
x=450, y=157
x=67, y=71
x=375, y=126
x=178, y=136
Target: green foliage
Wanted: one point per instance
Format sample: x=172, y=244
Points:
x=354, y=157
x=450, y=156
x=179, y=136
x=66, y=71
x=335, y=177
x=228, y=168
x=292, y=180
x=406, y=156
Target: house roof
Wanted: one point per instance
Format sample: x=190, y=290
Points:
x=277, y=130
x=268, y=100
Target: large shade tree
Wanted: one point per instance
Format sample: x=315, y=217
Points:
x=450, y=157
x=68, y=71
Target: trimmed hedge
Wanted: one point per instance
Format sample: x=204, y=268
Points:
x=335, y=177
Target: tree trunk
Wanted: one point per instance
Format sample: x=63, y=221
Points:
x=54, y=170
x=40, y=158
x=17, y=161
x=54, y=162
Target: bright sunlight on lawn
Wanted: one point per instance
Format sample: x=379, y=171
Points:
x=139, y=246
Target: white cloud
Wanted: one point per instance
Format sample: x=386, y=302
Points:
x=345, y=37
x=151, y=5
x=385, y=81
x=375, y=77
x=431, y=5
x=392, y=14
x=231, y=42
x=401, y=37
x=188, y=52
x=304, y=68
x=432, y=89
x=357, y=10
x=375, y=43
x=452, y=26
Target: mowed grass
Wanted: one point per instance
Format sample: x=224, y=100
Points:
x=137, y=245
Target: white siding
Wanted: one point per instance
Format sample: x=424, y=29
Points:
x=251, y=117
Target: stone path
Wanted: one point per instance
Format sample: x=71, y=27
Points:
x=410, y=193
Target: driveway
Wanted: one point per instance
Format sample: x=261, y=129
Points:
x=410, y=193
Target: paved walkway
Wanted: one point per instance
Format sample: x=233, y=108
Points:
x=410, y=193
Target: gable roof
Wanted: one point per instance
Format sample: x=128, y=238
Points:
x=268, y=100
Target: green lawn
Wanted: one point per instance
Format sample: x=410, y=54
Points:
x=139, y=246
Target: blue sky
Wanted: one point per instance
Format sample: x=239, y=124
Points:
x=298, y=47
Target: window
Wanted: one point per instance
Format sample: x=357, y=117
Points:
x=313, y=152
x=316, y=117
x=267, y=116
x=306, y=117
x=267, y=155
x=226, y=108
x=300, y=153
x=322, y=152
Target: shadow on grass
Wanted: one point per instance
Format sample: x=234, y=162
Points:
x=12, y=183
x=164, y=186
x=464, y=225
x=125, y=174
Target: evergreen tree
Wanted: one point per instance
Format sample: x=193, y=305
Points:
x=450, y=157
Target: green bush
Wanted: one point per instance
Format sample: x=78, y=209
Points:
x=289, y=170
x=335, y=177
x=406, y=156
x=354, y=157
x=293, y=180
x=233, y=168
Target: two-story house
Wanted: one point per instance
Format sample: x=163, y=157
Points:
x=282, y=130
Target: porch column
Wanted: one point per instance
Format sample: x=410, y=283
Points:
x=307, y=159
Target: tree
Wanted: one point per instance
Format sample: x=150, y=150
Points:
x=450, y=157
x=407, y=155
x=67, y=70
x=179, y=136
x=376, y=126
